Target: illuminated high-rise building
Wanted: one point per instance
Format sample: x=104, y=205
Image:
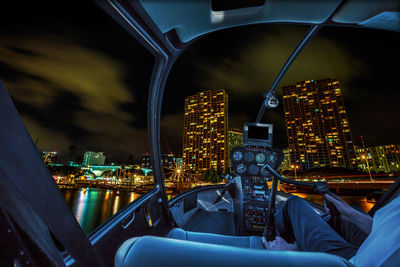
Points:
x=317, y=125
x=235, y=138
x=205, y=131
x=384, y=158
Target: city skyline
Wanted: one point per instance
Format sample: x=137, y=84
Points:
x=76, y=86
x=322, y=97
x=314, y=111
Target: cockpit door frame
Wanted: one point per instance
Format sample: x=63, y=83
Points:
x=165, y=48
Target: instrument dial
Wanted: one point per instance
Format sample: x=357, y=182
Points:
x=241, y=168
x=237, y=155
x=260, y=157
x=273, y=158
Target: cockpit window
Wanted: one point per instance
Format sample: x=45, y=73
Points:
x=75, y=82
x=328, y=122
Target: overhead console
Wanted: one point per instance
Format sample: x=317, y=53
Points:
x=223, y=5
x=247, y=162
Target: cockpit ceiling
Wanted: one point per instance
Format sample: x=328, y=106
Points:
x=193, y=18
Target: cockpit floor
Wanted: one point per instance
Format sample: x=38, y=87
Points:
x=215, y=222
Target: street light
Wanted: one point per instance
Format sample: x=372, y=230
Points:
x=364, y=157
x=295, y=167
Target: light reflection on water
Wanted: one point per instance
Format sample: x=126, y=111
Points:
x=82, y=204
x=92, y=206
x=116, y=205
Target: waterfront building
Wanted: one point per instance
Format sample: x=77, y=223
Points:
x=49, y=157
x=318, y=129
x=235, y=138
x=93, y=158
x=205, y=131
x=167, y=160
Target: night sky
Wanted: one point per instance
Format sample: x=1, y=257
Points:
x=78, y=79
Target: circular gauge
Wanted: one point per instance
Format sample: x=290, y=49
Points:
x=241, y=168
x=273, y=158
x=249, y=156
x=260, y=157
x=253, y=169
x=237, y=155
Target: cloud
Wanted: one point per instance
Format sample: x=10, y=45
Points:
x=171, y=131
x=254, y=69
x=92, y=75
x=78, y=89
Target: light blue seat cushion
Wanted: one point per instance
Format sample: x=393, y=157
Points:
x=161, y=251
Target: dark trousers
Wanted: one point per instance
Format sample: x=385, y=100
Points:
x=297, y=221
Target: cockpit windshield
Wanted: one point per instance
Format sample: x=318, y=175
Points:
x=166, y=131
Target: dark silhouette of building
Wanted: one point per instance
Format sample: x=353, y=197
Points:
x=167, y=160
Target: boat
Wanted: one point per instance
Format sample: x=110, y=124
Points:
x=225, y=221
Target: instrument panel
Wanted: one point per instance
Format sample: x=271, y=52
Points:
x=247, y=162
x=250, y=160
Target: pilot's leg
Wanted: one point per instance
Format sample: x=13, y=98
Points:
x=297, y=221
x=349, y=231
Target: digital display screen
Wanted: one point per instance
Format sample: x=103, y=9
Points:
x=255, y=132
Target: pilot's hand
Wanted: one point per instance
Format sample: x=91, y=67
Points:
x=278, y=244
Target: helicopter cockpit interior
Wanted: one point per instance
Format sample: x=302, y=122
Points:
x=214, y=225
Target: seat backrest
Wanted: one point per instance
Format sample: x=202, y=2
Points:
x=393, y=191
x=158, y=251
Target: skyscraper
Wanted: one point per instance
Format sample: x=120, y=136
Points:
x=205, y=131
x=317, y=125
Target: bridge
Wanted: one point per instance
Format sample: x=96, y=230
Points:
x=359, y=185
x=98, y=170
x=342, y=186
